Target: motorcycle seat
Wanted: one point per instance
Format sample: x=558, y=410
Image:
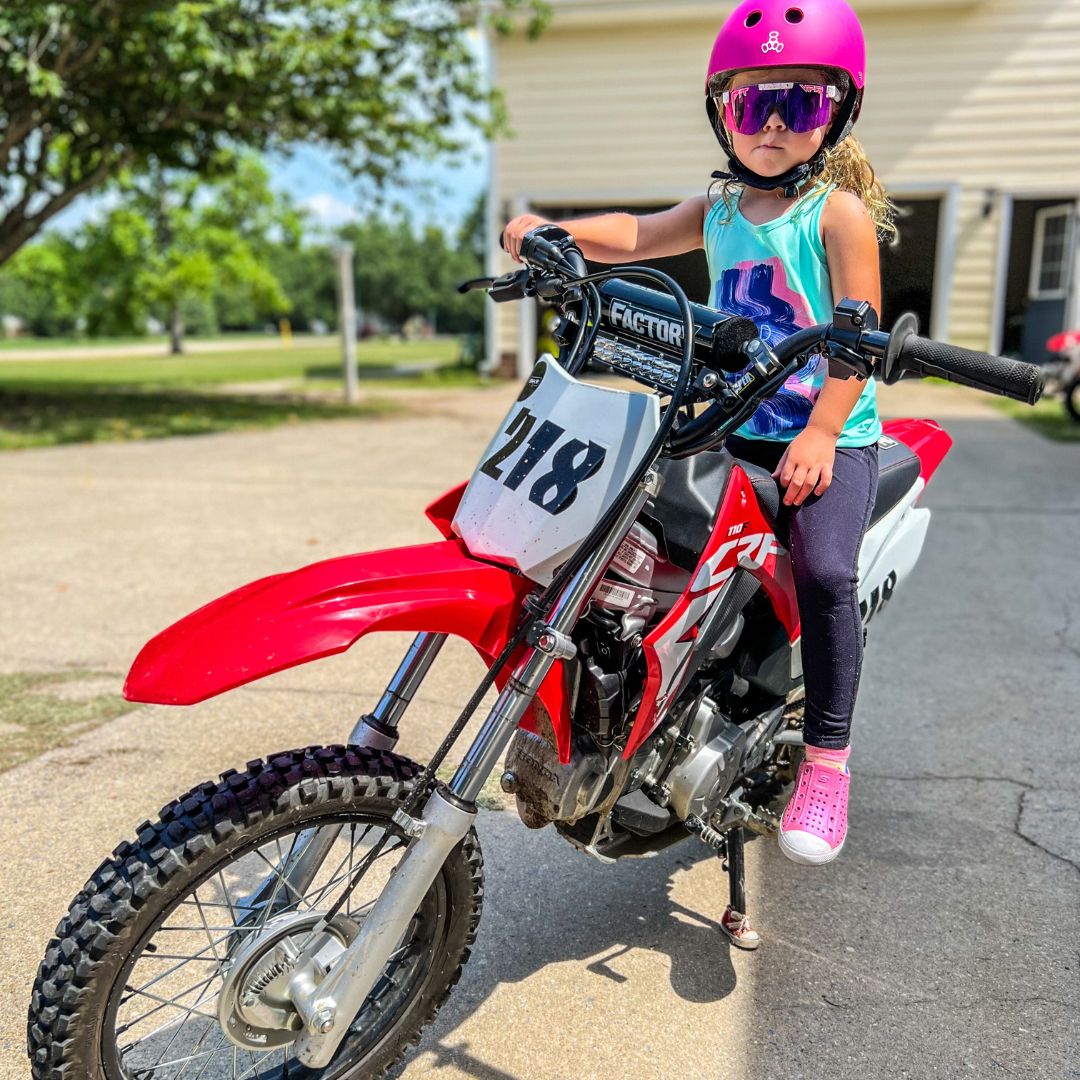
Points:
x=684, y=512
x=765, y=488
x=898, y=469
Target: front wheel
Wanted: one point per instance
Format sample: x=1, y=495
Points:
x=172, y=961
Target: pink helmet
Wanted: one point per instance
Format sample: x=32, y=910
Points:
x=790, y=33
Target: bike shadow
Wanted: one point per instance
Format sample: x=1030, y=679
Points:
x=547, y=903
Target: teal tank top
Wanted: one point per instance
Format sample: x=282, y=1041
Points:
x=777, y=275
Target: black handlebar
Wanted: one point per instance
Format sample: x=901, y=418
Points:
x=651, y=323
x=994, y=374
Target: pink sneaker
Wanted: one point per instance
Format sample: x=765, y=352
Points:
x=814, y=824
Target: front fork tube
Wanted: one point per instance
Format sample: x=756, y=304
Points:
x=379, y=728
x=327, y=1007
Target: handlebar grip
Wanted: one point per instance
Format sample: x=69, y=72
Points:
x=994, y=374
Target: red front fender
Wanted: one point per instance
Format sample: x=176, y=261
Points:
x=289, y=619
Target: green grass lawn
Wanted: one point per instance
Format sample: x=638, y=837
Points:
x=48, y=402
x=1048, y=417
x=273, y=361
x=37, y=715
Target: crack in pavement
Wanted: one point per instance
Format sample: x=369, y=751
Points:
x=1026, y=789
x=1063, y=634
x=904, y=1003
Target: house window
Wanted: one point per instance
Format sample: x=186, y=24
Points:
x=1052, y=253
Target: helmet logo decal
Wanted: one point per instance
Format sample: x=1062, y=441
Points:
x=774, y=44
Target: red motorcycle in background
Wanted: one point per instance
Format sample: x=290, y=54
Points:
x=628, y=584
x=1062, y=372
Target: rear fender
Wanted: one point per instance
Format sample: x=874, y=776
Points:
x=288, y=619
x=928, y=440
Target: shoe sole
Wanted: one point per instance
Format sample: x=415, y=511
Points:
x=804, y=859
x=746, y=946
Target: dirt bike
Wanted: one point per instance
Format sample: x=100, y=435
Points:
x=627, y=583
x=1062, y=372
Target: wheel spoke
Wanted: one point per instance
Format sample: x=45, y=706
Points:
x=202, y=1037
x=227, y=895
x=189, y=1042
x=147, y=1069
x=282, y=880
x=200, y=955
x=206, y=926
x=165, y=1002
x=220, y=1046
x=255, y=1062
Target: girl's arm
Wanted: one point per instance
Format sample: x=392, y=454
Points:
x=852, y=253
x=616, y=238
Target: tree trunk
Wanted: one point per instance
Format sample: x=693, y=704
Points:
x=176, y=331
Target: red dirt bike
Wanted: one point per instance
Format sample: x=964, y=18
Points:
x=1062, y=370
x=627, y=583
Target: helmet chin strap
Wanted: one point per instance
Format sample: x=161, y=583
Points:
x=790, y=181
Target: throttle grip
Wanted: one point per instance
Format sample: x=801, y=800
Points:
x=994, y=374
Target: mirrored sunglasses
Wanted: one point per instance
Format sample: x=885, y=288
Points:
x=802, y=106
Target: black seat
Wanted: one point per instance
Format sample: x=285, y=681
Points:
x=898, y=469
x=765, y=488
x=684, y=512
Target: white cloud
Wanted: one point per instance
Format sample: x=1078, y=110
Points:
x=328, y=210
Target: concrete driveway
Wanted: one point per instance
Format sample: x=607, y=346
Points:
x=945, y=942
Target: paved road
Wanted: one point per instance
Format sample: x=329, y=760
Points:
x=944, y=943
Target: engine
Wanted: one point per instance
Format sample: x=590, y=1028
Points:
x=545, y=789
x=707, y=762
x=693, y=765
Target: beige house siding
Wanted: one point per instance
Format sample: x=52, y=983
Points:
x=980, y=95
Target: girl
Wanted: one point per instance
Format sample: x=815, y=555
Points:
x=792, y=230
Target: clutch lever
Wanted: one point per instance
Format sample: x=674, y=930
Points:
x=476, y=283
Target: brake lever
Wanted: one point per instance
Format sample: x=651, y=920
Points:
x=476, y=283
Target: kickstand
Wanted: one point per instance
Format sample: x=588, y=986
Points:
x=735, y=922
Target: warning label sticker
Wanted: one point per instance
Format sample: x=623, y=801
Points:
x=629, y=557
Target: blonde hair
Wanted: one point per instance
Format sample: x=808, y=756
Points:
x=846, y=168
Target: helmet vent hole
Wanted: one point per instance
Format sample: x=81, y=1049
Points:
x=793, y=15
x=753, y=18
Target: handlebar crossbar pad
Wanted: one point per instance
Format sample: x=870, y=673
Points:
x=994, y=374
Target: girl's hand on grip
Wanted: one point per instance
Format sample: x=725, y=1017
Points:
x=515, y=232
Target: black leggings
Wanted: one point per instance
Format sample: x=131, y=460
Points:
x=823, y=536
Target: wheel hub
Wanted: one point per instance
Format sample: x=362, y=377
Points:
x=254, y=1007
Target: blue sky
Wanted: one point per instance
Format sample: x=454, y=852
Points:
x=436, y=192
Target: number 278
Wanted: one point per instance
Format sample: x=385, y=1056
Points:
x=571, y=464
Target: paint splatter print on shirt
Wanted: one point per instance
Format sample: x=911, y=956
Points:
x=760, y=291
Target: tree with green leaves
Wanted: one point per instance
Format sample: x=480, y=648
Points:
x=92, y=88
x=174, y=241
x=42, y=287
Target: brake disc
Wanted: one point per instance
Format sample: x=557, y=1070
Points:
x=254, y=1007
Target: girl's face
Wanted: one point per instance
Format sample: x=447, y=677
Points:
x=776, y=148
